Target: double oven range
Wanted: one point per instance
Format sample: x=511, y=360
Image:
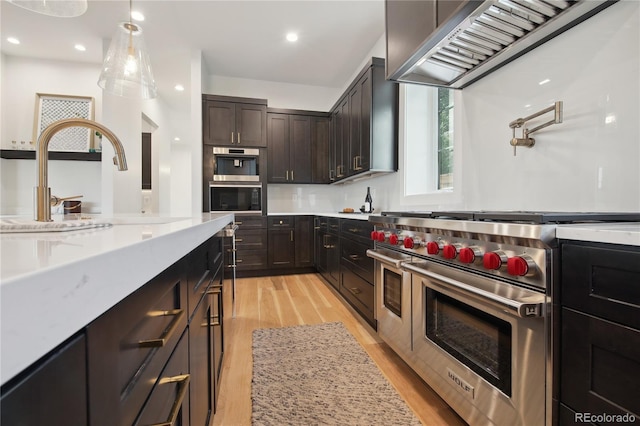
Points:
x=465, y=298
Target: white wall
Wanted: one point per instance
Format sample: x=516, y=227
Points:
x=590, y=162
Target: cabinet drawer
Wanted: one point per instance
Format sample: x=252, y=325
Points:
x=202, y=263
x=333, y=225
x=277, y=222
x=602, y=281
x=168, y=402
x=250, y=222
x=354, y=257
x=128, y=346
x=600, y=365
x=251, y=259
x=320, y=222
x=358, y=229
x=359, y=293
x=252, y=239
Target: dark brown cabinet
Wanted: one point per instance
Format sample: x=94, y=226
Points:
x=328, y=249
x=356, y=268
x=599, y=331
x=54, y=393
x=231, y=121
x=297, y=141
x=290, y=241
x=365, y=128
x=251, y=244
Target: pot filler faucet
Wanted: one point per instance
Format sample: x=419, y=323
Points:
x=42, y=193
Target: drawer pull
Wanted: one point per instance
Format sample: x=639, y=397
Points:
x=215, y=320
x=354, y=257
x=355, y=290
x=237, y=223
x=214, y=289
x=166, y=335
x=354, y=230
x=238, y=240
x=183, y=387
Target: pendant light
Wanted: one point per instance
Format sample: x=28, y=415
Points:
x=126, y=70
x=59, y=8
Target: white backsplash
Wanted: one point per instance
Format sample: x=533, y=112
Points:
x=590, y=162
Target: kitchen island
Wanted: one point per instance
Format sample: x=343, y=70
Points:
x=52, y=284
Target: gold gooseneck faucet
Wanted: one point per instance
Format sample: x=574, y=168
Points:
x=42, y=192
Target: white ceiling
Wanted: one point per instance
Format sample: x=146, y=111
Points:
x=244, y=39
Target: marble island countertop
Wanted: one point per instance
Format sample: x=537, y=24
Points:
x=625, y=233
x=54, y=283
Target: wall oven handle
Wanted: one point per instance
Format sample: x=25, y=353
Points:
x=386, y=259
x=531, y=307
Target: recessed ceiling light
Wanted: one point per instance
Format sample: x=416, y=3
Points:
x=137, y=16
x=292, y=37
x=80, y=47
x=13, y=40
x=545, y=81
x=177, y=139
x=179, y=87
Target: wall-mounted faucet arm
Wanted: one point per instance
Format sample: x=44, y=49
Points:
x=519, y=122
x=42, y=192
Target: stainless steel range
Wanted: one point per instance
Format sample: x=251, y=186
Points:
x=465, y=299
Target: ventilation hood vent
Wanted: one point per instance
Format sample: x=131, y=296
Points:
x=493, y=34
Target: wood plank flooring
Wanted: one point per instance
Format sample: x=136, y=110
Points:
x=281, y=301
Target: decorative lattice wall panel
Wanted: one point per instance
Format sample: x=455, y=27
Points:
x=51, y=108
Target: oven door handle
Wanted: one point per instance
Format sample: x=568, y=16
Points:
x=385, y=259
x=531, y=307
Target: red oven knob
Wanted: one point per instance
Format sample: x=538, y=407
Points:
x=517, y=266
x=493, y=260
x=393, y=239
x=408, y=243
x=449, y=251
x=381, y=237
x=374, y=235
x=433, y=247
x=468, y=254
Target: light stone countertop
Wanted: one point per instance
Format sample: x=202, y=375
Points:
x=626, y=233
x=357, y=216
x=52, y=284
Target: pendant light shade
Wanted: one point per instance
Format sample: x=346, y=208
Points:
x=126, y=70
x=59, y=8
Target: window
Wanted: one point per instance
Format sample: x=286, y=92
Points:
x=429, y=147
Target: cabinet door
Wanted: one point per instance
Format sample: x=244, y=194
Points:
x=320, y=151
x=333, y=142
x=333, y=259
x=344, y=147
x=251, y=125
x=355, y=114
x=201, y=361
x=217, y=319
x=53, y=394
x=278, y=152
x=303, y=237
x=600, y=365
x=408, y=24
x=281, y=248
x=219, y=123
x=300, y=148
x=363, y=162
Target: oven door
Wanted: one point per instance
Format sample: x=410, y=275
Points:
x=393, y=300
x=225, y=198
x=481, y=344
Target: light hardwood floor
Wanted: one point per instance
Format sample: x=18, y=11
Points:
x=280, y=301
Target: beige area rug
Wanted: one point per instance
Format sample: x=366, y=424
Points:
x=320, y=375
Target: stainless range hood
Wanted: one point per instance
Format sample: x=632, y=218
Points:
x=482, y=36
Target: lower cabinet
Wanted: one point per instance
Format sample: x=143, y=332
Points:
x=599, y=333
x=290, y=241
x=251, y=244
x=154, y=358
x=57, y=387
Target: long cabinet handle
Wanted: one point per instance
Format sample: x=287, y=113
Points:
x=183, y=387
x=168, y=332
x=238, y=138
x=287, y=177
x=292, y=175
x=291, y=235
x=232, y=138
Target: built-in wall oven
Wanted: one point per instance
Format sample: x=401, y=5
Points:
x=235, y=198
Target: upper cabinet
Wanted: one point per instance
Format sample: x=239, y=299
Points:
x=298, y=145
x=231, y=121
x=365, y=126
